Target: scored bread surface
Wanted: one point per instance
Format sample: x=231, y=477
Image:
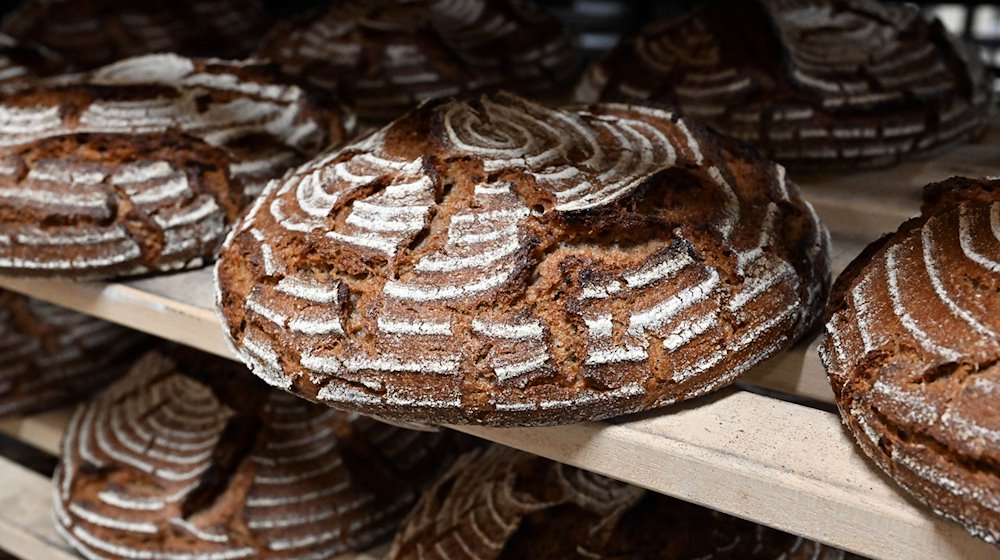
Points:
x=499, y=503
x=499, y=262
x=189, y=460
x=100, y=205
x=50, y=356
x=912, y=348
x=384, y=56
x=267, y=125
x=90, y=33
x=810, y=82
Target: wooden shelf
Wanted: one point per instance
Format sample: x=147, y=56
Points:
x=767, y=459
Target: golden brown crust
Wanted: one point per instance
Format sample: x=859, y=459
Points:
x=501, y=503
x=50, y=357
x=502, y=263
x=912, y=350
x=187, y=457
x=814, y=83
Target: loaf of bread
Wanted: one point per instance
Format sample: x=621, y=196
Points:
x=815, y=83
x=50, y=356
x=912, y=348
x=108, y=205
x=498, y=503
x=266, y=125
x=499, y=262
x=187, y=457
x=384, y=56
x=91, y=33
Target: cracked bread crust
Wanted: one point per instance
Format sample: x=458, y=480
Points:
x=102, y=206
x=50, y=356
x=912, y=347
x=499, y=262
x=90, y=33
x=266, y=124
x=188, y=458
x=811, y=83
x=501, y=503
x=384, y=56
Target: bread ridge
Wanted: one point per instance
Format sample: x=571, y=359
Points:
x=420, y=278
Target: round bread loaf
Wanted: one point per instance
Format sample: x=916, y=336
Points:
x=184, y=458
x=50, y=356
x=816, y=83
x=384, y=56
x=90, y=33
x=499, y=503
x=499, y=262
x=266, y=125
x=106, y=205
x=912, y=348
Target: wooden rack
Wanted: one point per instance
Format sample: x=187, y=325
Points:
x=760, y=455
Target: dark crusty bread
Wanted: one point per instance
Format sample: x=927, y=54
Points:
x=187, y=457
x=384, y=56
x=912, y=350
x=90, y=33
x=245, y=107
x=106, y=205
x=50, y=356
x=815, y=83
x=20, y=63
x=499, y=262
x=498, y=503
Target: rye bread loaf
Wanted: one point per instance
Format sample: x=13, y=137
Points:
x=814, y=83
x=499, y=262
x=498, y=503
x=188, y=458
x=912, y=348
x=50, y=356
x=91, y=33
x=384, y=56
x=107, y=205
x=266, y=124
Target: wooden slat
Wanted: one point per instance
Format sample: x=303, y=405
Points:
x=40, y=430
x=778, y=463
x=26, y=515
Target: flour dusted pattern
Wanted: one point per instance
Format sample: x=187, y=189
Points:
x=384, y=56
x=101, y=206
x=50, y=356
x=266, y=125
x=91, y=33
x=498, y=503
x=912, y=347
x=815, y=83
x=499, y=262
x=185, y=459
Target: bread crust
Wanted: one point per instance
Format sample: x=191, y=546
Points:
x=811, y=83
x=912, y=350
x=51, y=357
x=383, y=57
x=187, y=457
x=498, y=262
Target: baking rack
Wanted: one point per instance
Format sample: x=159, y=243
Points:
x=771, y=449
